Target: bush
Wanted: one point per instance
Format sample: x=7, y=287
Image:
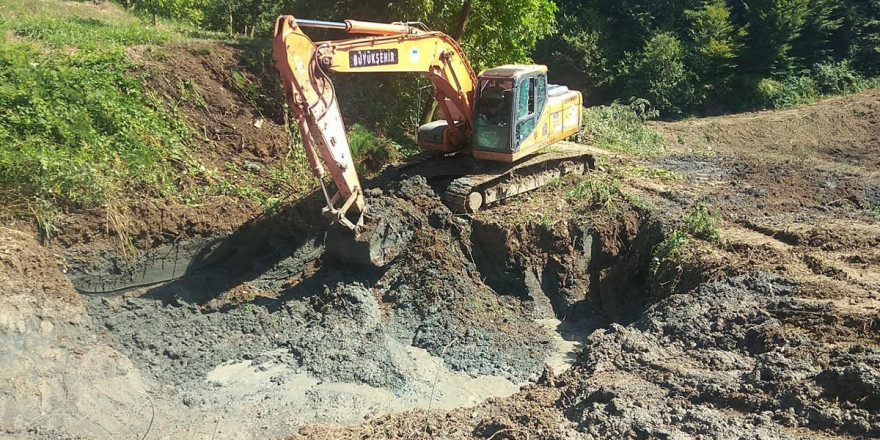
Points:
x=622, y=128
x=836, y=78
x=792, y=91
x=369, y=150
x=700, y=223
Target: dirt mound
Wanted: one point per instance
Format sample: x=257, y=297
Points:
x=25, y=267
x=712, y=363
x=815, y=157
x=842, y=130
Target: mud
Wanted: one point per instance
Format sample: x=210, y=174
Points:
x=713, y=363
x=267, y=319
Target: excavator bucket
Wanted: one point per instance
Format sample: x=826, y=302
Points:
x=391, y=224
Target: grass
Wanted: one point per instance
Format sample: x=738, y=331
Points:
x=667, y=251
x=75, y=129
x=598, y=188
x=621, y=128
x=666, y=256
x=653, y=173
x=700, y=222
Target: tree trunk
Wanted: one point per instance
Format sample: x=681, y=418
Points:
x=428, y=115
x=153, y=10
x=463, y=20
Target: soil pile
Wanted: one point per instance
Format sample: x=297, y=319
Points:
x=716, y=362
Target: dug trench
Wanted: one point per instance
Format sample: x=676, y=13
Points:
x=269, y=329
x=478, y=328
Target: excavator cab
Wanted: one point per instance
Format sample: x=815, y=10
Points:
x=516, y=112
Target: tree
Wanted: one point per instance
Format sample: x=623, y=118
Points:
x=861, y=34
x=772, y=27
x=577, y=54
x=715, y=45
x=814, y=44
x=658, y=74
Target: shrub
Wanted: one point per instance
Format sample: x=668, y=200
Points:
x=794, y=90
x=622, y=128
x=700, y=223
x=369, y=150
x=667, y=251
x=836, y=78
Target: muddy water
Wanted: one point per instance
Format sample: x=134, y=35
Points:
x=306, y=399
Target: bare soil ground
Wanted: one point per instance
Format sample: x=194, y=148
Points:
x=245, y=328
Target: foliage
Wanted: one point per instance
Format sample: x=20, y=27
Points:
x=836, y=78
x=773, y=26
x=710, y=56
x=369, y=150
x=77, y=130
x=791, y=91
x=619, y=127
x=667, y=251
x=716, y=44
x=598, y=188
x=700, y=223
x=658, y=75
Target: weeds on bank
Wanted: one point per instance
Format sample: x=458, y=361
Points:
x=698, y=223
x=75, y=130
x=701, y=223
x=622, y=128
x=597, y=188
x=654, y=173
x=668, y=250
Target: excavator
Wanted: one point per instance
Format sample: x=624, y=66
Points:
x=491, y=142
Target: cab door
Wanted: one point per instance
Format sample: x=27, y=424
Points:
x=531, y=94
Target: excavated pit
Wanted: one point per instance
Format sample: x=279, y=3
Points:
x=266, y=321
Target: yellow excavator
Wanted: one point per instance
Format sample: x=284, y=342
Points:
x=492, y=125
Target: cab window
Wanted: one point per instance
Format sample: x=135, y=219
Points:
x=494, y=104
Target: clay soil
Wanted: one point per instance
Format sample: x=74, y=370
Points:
x=549, y=316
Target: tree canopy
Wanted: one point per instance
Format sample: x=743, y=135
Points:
x=680, y=56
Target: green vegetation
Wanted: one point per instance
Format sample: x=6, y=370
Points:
x=75, y=129
x=667, y=251
x=653, y=173
x=709, y=56
x=621, y=128
x=700, y=223
x=597, y=188
x=370, y=151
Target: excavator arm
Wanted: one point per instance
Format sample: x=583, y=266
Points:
x=395, y=47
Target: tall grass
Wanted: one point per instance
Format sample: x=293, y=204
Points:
x=622, y=128
x=75, y=128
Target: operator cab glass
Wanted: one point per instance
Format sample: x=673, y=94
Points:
x=493, y=107
x=509, y=103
